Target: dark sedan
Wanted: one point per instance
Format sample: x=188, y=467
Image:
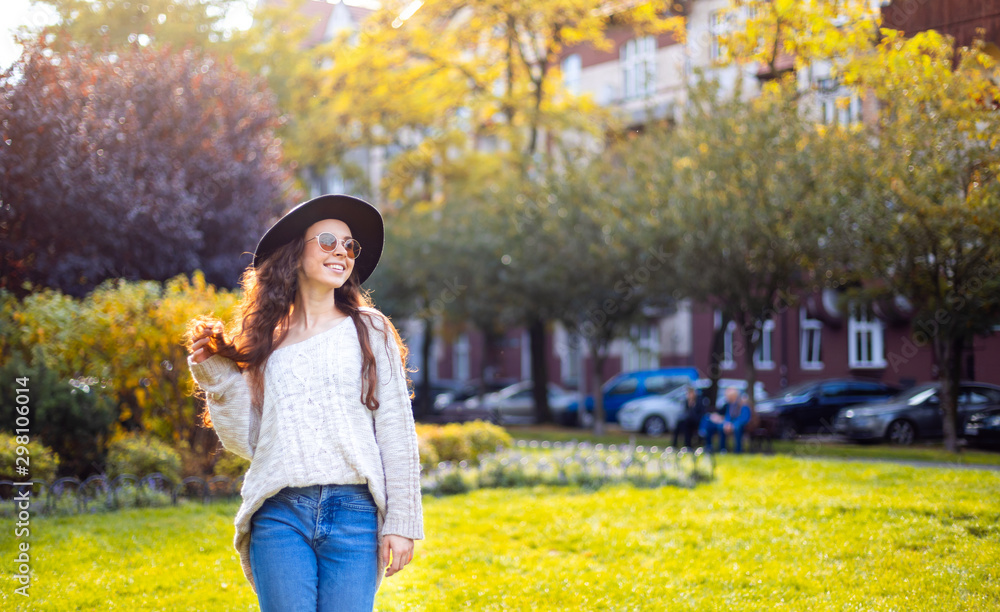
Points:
x=913, y=414
x=812, y=407
x=983, y=429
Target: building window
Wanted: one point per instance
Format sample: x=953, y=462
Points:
x=723, y=22
x=569, y=349
x=720, y=24
x=865, y=340
x=810, y=342
x=460, y=358
x=764, y=356
x=571, y=67
x=638, y=58
x=841, y=110
x=643, y=349
x=728, y=361
x=838, y=104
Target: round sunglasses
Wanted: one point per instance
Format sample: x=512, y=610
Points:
x=328, y=242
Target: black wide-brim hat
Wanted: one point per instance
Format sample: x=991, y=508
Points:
x=364, y=220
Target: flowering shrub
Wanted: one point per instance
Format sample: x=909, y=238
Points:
x=458, y=442
x=577, y=464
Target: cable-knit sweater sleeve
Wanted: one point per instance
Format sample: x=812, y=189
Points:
x=396, y=437
x=228, y=398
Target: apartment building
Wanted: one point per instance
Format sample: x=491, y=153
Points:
x=644, y=76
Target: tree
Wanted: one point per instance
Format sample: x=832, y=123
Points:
x=602, y=217
x=926, y=227
x=485, y=71
x=141, y=164
x=744, y=204
x=113, y=25
x=778, y=35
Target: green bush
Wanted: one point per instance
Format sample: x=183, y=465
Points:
x=69, y=416
x=484, y=438
x=451, y=443
x=459, y=441
x=231, y=465
x=42, y=460
x=428, y=453
x=142, y=454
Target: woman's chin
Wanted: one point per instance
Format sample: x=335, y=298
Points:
x=328, y=281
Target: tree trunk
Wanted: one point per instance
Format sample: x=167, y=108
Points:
x=714, y=358
x=597, y=366
x=539, y=370
x=751, y=346
x=951, y=373
x=489, y=342
x=425, y=407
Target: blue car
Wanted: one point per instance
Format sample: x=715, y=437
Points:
x=628, y=386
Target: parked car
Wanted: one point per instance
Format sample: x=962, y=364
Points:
x=983, y=429
x=915, y=413
x=628, y=386
x=448, y=402
x=437, y=388
x=516, y=403
x=812, y=407
x=657, y=414
x=459, y=394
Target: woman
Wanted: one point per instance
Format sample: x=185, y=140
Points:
x=312, y=390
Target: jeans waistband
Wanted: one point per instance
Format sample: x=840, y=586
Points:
x=331, y=490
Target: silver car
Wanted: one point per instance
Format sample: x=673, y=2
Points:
x=913, y=414
x=516, y=404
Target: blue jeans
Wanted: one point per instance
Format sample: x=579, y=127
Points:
x=711, y=429
x=314, y=548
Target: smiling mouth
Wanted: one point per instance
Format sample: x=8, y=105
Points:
x=336, y=267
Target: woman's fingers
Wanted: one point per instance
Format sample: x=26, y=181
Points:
x=384, y=554
x=200, y=351
x=402, y=553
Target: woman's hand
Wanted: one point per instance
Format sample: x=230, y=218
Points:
x=200, y=348
x=402, y=553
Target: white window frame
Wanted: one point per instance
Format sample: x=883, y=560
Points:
x=728, y=339
x=642, y=352
x=571, y=69
x=569, y=348
x=724, y=21
x=763, y=357
x=829, y=93
x=720, y=23
x=865, y=330
x=460, y=369
x=638, y=62
x=810, y=342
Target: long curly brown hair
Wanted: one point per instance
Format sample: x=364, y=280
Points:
x=265, y=314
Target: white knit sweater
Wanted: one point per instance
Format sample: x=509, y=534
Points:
x=314, y=428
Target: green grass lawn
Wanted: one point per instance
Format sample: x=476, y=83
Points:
x=771, y=533
x=814, y=446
